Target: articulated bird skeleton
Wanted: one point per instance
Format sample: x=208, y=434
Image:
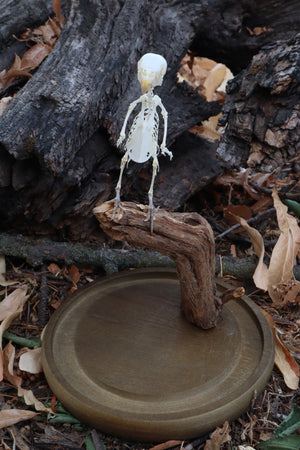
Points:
x=142, y=141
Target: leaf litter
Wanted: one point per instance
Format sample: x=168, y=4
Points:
x=41, y=41
x=267, y=410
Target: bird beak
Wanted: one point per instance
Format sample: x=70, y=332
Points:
x=146, y=85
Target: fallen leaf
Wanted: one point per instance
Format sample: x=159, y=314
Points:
x=54, y=269
x=3, y=281
x=238, y=178
x=283, y=359
x=209, y=129
x=15, y=380
x=166, y=445
x=55, y=303
x=12, y=305
x=10, y=308
x=35, y=55
x=16, y=71
x=48, y=34
x=219, y=437
x=57, y=12
x=232, y=213
x=74, y=274
x=261, y=274
x=228, y=76
x=214, y=80
x=205, y=75
x=9, y=417
x=258, y=30
x=282, y=286
x=31, y=361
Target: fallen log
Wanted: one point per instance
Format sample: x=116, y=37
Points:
x=37, y=252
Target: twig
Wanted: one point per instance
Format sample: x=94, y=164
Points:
x=98, y=444
x=43, y=299
x=267, y=213
x=282, y=194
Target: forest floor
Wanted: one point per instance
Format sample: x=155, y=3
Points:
x=49, y=286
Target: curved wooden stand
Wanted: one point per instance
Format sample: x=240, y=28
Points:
x=187, y=238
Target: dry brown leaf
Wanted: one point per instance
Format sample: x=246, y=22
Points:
x=281, y=284
x=74, y=274
x=35, y=55
x=283, y=359
x=208, y=129
x=261, y=274
x=49, y=33
x=54, y=269
x=31, y=361
x=205, y=75
x=214, y=80
x=16, y=71
x=8, y=374
x=219, y=437
x=222, y=88
x=232, y=213
x=166, y=445
x=258, y=30
x=55, y=27
x=13, y=303
x=261, y=204
x=57, y=11
x=10, y=308
x=45, y=37
x=239, y=178
x=9, y=417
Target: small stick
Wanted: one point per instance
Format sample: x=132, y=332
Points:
x=43, y=299
x=260, y=215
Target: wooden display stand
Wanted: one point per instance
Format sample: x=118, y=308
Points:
x=187, y=238
x=121, y=356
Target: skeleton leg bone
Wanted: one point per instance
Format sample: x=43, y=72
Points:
x=151, y=208
x=118, y=187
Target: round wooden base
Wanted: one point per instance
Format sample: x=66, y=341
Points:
x=121, y=357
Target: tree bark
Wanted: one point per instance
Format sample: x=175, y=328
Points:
x=57, y=137
x=187, y=238
x=261, y=110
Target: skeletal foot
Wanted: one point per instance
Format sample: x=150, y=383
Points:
x=150, y=216
x=117, y=205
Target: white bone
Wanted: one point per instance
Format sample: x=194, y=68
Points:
x=142, y=141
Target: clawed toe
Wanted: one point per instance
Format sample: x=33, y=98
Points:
x=117, y=205
x=150, y=216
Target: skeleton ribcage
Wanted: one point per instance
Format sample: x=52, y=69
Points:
x=143, y=135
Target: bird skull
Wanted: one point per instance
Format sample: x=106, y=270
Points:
x=151, y=70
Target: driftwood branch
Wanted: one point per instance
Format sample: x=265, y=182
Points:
x=36, y=252
x=187, y=238
x=39, y=251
